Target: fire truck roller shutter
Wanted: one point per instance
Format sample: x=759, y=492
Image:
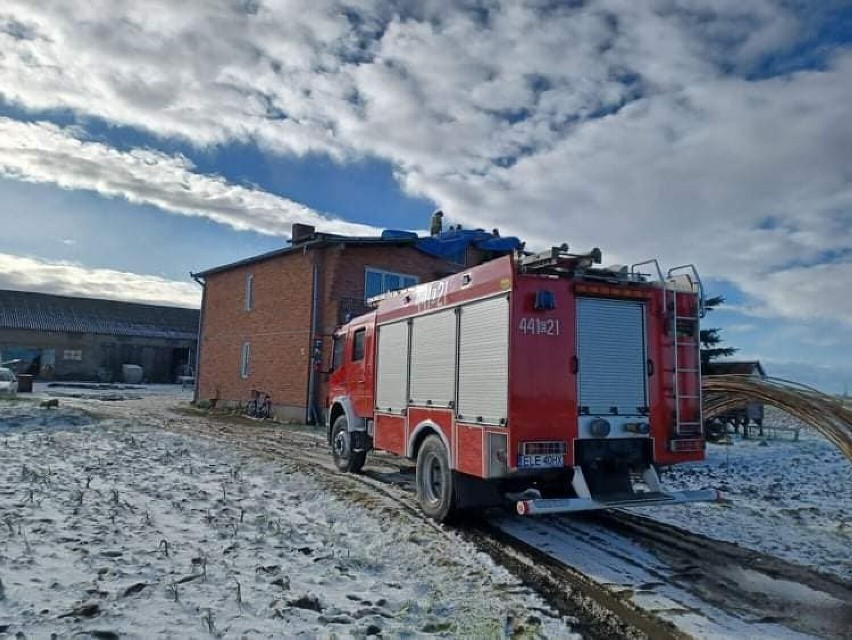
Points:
x=611, y=351
x=433, y=359
x=392, y=368
x=484, y=361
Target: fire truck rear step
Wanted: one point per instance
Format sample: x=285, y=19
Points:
x=545, y=506
x=531, y=502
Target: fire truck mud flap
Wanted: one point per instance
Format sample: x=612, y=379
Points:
x=547, y=506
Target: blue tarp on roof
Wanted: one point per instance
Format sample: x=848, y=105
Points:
x=495, y=243
x=395, y=234
x=453, y=242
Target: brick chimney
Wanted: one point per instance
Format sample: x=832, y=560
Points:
x=301, y=232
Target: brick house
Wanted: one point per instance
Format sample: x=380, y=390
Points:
x=266, y=321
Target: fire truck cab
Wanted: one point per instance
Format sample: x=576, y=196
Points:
x=542, y=379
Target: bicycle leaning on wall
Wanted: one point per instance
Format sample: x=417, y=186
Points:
x=260, y=405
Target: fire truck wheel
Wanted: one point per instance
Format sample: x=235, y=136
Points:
x=434, y=480
x=341, y=448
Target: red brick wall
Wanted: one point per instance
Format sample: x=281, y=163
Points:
x=345, y=273
x=277, y=327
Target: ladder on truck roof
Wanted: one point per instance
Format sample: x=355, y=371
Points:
x=685, y=279
x=557, y=261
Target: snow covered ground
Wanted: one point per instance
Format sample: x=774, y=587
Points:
x=111, y=525
x=118, y=529
x=790, y=499
x=112, y=392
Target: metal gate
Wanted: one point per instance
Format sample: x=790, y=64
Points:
x=611, y=354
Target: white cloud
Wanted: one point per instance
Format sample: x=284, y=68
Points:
x=641, y=127
x=803, y=293
x=30, y=274
x=44, y=153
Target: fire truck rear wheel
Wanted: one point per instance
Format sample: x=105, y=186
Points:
x=434, y=479
x=341, y=448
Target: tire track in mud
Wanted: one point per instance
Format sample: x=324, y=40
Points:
x=709, y=568
x=734, y=578
x=596, y=613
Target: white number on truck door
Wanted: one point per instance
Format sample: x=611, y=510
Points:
x=539, y=327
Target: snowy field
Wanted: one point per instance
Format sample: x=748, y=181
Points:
x=112, y=392
x=118, y=529
x=789, y=499
x=111, y=527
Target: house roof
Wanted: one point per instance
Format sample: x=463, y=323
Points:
x=439, y=246
x=736, y=368
x=44, y=312
x=315, y=241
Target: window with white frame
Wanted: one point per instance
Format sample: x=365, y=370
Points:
x=245, y=360
x=248, y=293
x=378, y=281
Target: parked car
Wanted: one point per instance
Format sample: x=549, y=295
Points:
x=8, y=382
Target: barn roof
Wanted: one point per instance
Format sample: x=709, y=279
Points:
x=45, y=312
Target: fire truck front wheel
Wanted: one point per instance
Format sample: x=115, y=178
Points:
x=341, y=448
x=435, y=480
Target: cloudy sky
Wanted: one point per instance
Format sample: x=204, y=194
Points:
x=142, y=140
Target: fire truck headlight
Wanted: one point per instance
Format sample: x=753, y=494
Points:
x=599, y=427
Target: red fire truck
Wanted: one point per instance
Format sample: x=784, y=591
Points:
x=540, y=379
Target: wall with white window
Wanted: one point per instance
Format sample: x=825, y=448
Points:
x=378, y=281
x=245, y=360
x=249, y=292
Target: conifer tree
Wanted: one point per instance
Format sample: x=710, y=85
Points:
x=711, y=339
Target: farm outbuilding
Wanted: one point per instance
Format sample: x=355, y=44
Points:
x=736, y=368
x=750, y=411
x=56, y=337
x=267, y=320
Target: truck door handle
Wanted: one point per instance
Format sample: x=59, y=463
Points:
x=650, y=367
x=575, y=364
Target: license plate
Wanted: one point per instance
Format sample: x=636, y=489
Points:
x=541, y=461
